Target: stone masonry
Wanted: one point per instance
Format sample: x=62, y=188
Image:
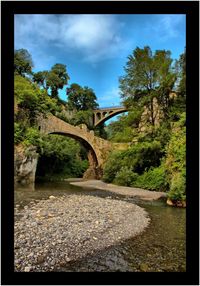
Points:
x=98, y=148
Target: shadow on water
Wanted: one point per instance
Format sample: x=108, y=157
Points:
x=161, y=247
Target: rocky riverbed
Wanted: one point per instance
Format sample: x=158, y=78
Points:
x=52, y=233
x=129, y=191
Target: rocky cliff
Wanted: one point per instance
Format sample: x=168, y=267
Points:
x=25, y=163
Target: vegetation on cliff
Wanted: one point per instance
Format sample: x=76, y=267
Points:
x=153, y=88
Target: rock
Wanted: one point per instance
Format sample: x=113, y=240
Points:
x=41, y=259
x=52, y=197
x=169, y=202
x=25, y=163
x=67, y=258
x=144, y=267
x=27, y=269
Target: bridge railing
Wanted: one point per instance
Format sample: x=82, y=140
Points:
x=109, y=107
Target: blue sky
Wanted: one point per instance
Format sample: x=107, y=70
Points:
x=95, y=47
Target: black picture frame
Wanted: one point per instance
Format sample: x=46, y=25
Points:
x=9, y=8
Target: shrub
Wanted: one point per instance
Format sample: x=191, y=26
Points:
x=32, y=137
x=18, y=133
x=112, y=166
x=177, y=188
x=175, y=163
x=125, y=177
x=153, y=179
x=142, y=156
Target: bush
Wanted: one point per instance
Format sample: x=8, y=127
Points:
x=175, y=163
x=32, y=137
x=18, y=133
x=125, y=177
x=177, y=188
x=153, y=179
x=142, y=156
x=112, y=166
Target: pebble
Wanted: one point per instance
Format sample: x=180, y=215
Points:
x=27, y=269
x=47, y=241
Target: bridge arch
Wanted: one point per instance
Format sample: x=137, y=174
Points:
x=92, y=156
x=97, y=148
x=104, y=114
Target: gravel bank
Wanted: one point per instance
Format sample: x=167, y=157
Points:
x=128, y=191
x=54, y=232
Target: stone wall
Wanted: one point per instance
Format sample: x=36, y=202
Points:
x=25, y=164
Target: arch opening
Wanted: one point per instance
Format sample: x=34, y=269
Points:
x=87, y=154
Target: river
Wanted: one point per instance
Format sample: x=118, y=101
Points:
x=160, y=248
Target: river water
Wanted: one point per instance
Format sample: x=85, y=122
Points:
x=160, y=248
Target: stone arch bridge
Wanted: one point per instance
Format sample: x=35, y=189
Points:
x=103, y=114
x=98, y=148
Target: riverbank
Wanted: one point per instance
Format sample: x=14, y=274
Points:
x=130, y=191
x=52, y=233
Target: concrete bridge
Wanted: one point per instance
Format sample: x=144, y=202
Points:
x=98, y=148
x=103, y=114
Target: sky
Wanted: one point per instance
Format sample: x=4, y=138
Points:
x=95, y=48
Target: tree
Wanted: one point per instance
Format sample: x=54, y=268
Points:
x=148, y=75
x=57, y=78
x=41, y=78
x=181, y=73
x=81, y=98
x=23, y=63
x=54, y=79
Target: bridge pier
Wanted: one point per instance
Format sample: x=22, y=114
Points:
x=94, y=171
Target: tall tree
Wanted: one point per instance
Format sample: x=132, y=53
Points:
x=23, y=63
x=54, y=79
x=181, y=74
x=148, y=75
x=81, y=98
x=41, y=78
x=57, y=78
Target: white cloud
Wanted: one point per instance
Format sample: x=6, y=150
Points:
x=166, y=26
x=95, y=37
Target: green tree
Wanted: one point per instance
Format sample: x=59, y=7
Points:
x=148, y=75
x=41, y=78
x=54, y=79
x=181, y=74
x=81, y=98
x=23, y=63
x=57, y=78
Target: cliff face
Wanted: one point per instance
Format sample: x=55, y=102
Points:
x=25, y=163
x=146, y=116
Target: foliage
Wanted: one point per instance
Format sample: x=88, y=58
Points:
x=82, y=117
x=148, y=75
x=32, y=137
x=18, y=133
x=54, y=79
x=175, y=163
x=154, y=179
x=60, y=156
x=138, y=158
x=22, y=62
x=112, y=166
x=31, y=100
x=81, y=98
x=125, y=177
x=177, y=188
x=100, y=131
x=126, y=135
x=181, y=74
